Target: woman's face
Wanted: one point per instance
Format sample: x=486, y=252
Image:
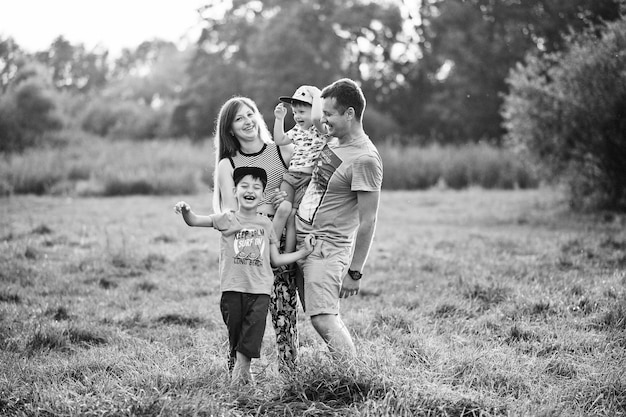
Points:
x=244, y=125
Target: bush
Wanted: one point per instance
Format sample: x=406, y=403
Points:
x=379, y=125
x=27, y=112
x=568, y=110
x=126, y=119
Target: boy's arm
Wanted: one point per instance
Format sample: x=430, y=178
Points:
x=279, y=259
x=316, y=109
x=191, y=218
x=280, y=111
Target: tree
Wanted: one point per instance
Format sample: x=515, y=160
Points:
x=151, y=73
x=568, y=110
x=27, y=110
x=265, y=49
x=468, y=48
x=11, y=59
x=73, y=68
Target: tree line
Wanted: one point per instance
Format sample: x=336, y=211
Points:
x=435, y=71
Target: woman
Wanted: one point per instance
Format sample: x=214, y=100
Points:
x=242, y=139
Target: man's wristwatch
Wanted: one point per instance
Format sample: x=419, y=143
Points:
x=355, y=275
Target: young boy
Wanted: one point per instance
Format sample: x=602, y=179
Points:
x=248, y=250
x=308, y=136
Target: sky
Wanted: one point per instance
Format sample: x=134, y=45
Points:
x=112, y=24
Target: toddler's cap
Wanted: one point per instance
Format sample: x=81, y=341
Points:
x=301, y=95
x=256, y=172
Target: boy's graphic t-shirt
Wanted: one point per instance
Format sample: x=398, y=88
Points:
x=308, y=144
x=329, y=206
x=245, y=252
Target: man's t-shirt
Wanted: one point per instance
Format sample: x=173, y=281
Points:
x=245, y=252
x=329, y=207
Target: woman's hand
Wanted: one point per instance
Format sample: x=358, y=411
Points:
x=277, y=198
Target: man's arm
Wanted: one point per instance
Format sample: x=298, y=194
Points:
x=368, y=202
x=368, y=211
x=316, y=109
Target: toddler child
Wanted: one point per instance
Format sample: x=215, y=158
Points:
x=309, y=137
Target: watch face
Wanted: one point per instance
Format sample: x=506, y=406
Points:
x=355, y=275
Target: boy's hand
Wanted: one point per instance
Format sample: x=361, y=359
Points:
x=181, y=207
x=309, y=242
x=280, y=111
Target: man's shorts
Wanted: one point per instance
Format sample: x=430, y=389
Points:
x=320, y=277
x=245, y=316
x=299, y=181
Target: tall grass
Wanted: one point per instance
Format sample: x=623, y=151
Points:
x=91, y=166
x=457, y=167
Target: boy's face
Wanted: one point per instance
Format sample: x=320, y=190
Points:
x=249, y=192
x=302, y=115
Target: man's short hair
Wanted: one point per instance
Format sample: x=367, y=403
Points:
x=347, y=94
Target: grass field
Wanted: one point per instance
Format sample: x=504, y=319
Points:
x=473, y=303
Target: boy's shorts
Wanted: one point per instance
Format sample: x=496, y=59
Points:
x=320, y=276
x=245, y=316
x=299, y=181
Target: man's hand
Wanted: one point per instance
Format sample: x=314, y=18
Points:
x=349, y=286
x=280, y=111
x=313, y=91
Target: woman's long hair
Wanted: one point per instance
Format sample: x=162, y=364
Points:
x=226, y=143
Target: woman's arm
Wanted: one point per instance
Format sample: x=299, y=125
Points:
x=226, y=185
x=276, y=196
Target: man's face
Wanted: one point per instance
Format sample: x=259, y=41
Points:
x=336, y=122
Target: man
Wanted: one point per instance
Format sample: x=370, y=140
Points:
x=340, y=208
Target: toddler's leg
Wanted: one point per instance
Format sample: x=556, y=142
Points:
x=290, y=232
x=284, y=210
